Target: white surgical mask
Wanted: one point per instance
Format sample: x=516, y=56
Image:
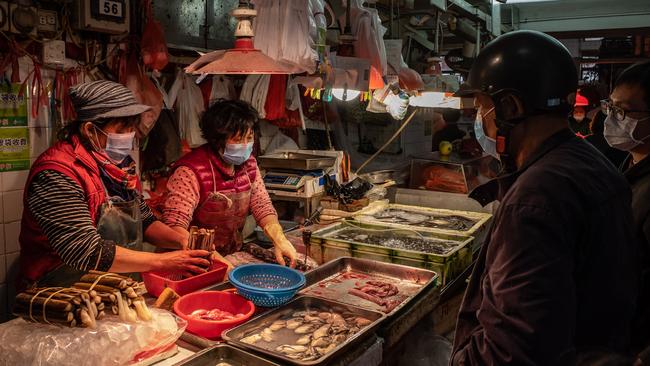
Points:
x=620, y=134
x=488, y=144
x=118, y=145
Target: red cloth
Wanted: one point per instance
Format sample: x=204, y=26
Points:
x=73, y=160
x=125, y=177
x=206, y=90
x=275, y=105
x=199, y=162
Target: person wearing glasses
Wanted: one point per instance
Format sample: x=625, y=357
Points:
x=82, y=204
x=627, y=128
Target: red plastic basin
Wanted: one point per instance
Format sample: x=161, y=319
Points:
x=222, y=300
x=155, y=282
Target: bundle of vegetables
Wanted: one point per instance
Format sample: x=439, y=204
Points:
x=59, y=305
x=120, y=294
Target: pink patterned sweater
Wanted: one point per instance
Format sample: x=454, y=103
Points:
x=183, y=198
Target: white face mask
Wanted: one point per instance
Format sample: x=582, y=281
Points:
x=488, y=144
x=620, y=134
x=118, y=145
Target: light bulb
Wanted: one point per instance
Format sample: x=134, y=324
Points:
x=349, y=94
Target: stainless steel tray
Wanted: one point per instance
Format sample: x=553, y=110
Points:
x=294, y=161
x=225, y=353
x=302, y=303
x=410, y=281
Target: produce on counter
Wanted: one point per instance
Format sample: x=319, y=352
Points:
x=167, y=299
x=122, y=295
x=58, y=305
x=306, y=335
x=214, y=314
x=396, y=239
x=379, y=293
x=268, y=256
x=450, y=222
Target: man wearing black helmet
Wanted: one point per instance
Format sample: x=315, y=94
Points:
x=556, y=276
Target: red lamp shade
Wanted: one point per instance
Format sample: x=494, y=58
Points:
x=244, y=59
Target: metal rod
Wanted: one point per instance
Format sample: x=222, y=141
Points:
x=399, y=130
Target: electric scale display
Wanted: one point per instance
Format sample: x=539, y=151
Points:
x=285, y=181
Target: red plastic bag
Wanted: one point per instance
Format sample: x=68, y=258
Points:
x=153, y=44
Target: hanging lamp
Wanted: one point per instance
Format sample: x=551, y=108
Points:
x=243, y=59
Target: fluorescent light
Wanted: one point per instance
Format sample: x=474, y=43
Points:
x=435, y=100
x=345, y=94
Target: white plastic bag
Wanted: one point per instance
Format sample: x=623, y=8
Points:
x=187, y=97
x=222, y=88
x=112, y=343
x=254, y=91
x=282, y=31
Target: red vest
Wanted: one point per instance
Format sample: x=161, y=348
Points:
x=226, y=182
x=37, y=257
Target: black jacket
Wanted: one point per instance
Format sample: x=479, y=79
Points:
x=556, y=274
x=638, y=176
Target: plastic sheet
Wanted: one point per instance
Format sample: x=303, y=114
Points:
x=111, y=343
x=289, y=41
x=187, y=97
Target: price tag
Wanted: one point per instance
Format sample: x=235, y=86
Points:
x=111, y=8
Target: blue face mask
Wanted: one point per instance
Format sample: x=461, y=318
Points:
x=237, y=154
x=488, y=144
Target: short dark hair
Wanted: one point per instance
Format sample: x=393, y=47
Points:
x=227, y=118
x=639, y=75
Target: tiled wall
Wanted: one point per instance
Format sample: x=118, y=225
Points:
x=11, y=205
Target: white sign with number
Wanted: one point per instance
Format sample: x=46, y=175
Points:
x=111, y=8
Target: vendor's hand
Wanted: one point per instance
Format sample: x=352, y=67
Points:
x=187, y=262
x=284, y=248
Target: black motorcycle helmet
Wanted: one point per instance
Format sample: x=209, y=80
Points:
x=526, y=67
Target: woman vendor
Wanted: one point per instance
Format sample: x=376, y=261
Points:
x=219, y=183
x=82, y=206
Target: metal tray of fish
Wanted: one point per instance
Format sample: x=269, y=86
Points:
x=336, y=280
x=225, y=355
x=426, y=219
x=305, y=331
x=445, y=254
x=294, y=161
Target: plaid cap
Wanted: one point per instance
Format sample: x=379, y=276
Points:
x=104, y=99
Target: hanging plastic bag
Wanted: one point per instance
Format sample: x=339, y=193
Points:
x=145, y=92
x=153, y=44
x=222, y=88
x=188, y=99
x=288, y=42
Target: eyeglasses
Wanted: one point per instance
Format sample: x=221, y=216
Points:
x=617, y=112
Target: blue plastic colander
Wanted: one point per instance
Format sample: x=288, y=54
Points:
x=267, y=285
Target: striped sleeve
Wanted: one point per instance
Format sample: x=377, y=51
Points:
x=146, y=214
x=59, y=206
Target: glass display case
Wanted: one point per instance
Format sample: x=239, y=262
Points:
x=451, y=173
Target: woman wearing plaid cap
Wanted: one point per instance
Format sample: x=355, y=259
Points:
x=83, y=210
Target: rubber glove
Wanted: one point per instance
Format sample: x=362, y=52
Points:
x=283, y=247
x=215, y=256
